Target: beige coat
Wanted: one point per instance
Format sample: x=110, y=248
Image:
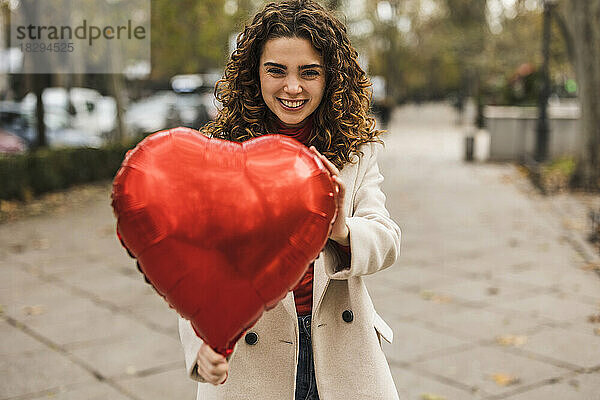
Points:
x=349, y=361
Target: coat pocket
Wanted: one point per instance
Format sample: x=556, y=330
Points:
x=383, y=330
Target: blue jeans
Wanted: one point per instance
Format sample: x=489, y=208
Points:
x=306, y=384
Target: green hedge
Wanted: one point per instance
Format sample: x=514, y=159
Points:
x=30, y=174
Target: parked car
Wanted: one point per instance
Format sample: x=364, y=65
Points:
x=21, y=121
x=92, y=114
x=202, y=85
x=153, y=113
x=60, y=131
x=15, y=121
x=11, y=143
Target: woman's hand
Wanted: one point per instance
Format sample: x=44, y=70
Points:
x=339, y=229
x=212, y=366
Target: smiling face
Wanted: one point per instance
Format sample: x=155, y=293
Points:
x=292, y=79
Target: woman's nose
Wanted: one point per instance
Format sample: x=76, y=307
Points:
x=292, y=85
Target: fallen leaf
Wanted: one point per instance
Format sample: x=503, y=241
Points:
x=34, y=310
x=492, y=291
x=435, y=297
x=431, y=396
x=7, y=206
x=505, y=379
x=41, y=244
x=511, y=340
x=442, y=299
x=17, y=248
x=591, y=267
x=594, y=319
x=426, y=294
x=574, y=383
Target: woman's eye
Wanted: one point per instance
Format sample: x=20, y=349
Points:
x=311, y=73
x=275, y=71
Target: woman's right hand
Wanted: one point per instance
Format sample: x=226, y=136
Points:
x=212, y=366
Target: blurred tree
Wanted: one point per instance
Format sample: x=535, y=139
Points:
x=468, y=26
x=432, y=49
x=410, y=50
x=583, y=27
x=191, y=36
x=4, y=39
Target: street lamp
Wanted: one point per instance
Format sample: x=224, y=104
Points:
x=541, y=148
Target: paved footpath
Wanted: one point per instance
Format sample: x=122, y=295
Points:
x=493, y=296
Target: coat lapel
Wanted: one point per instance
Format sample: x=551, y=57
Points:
x=290, y=305
x=320, y=281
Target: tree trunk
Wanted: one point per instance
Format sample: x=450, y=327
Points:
x=4, y=34
x=116, y=89
x=583, y=19
x=39, y=84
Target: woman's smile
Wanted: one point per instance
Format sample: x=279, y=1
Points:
x=292, y=105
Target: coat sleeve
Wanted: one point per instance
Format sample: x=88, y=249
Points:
x=191, y=344
x=374, y=236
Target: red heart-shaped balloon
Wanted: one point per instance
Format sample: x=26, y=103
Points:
x=222, y=230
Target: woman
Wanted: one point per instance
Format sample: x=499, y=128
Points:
x=294, y=72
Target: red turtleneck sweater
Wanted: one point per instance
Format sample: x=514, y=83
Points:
x=304, y=290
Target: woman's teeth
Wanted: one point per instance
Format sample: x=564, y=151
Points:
x=292, y=104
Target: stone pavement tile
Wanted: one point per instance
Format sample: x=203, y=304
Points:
x=42, y=300
x=50, y=263
x=172, y=384
x=583, y=285
x=142, y=350
x=89, y=391
x=399, y=304
x=59, y=230
x=111, y=286
x=494, y=267
x=428, y=305
x=410, y=277
x=453, y=248
x=14, y=276
x=472, y=268
x=84, y=328
x=15, y=341
x=419, y=252
x=580, y=387
x=573, y=347
x=550, y=257
x=483, y=324
x=551, y=307
x=568, y=280
x=32, y=372
x=482, y=290
x=392, y=302
x=416, y=386
x=153, y=309
x=477, y=368
x=414, y=341
x=588, y=325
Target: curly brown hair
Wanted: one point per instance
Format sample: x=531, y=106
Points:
x=341, y=122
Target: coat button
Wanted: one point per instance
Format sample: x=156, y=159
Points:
x=348, y=316
x=251, y=338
